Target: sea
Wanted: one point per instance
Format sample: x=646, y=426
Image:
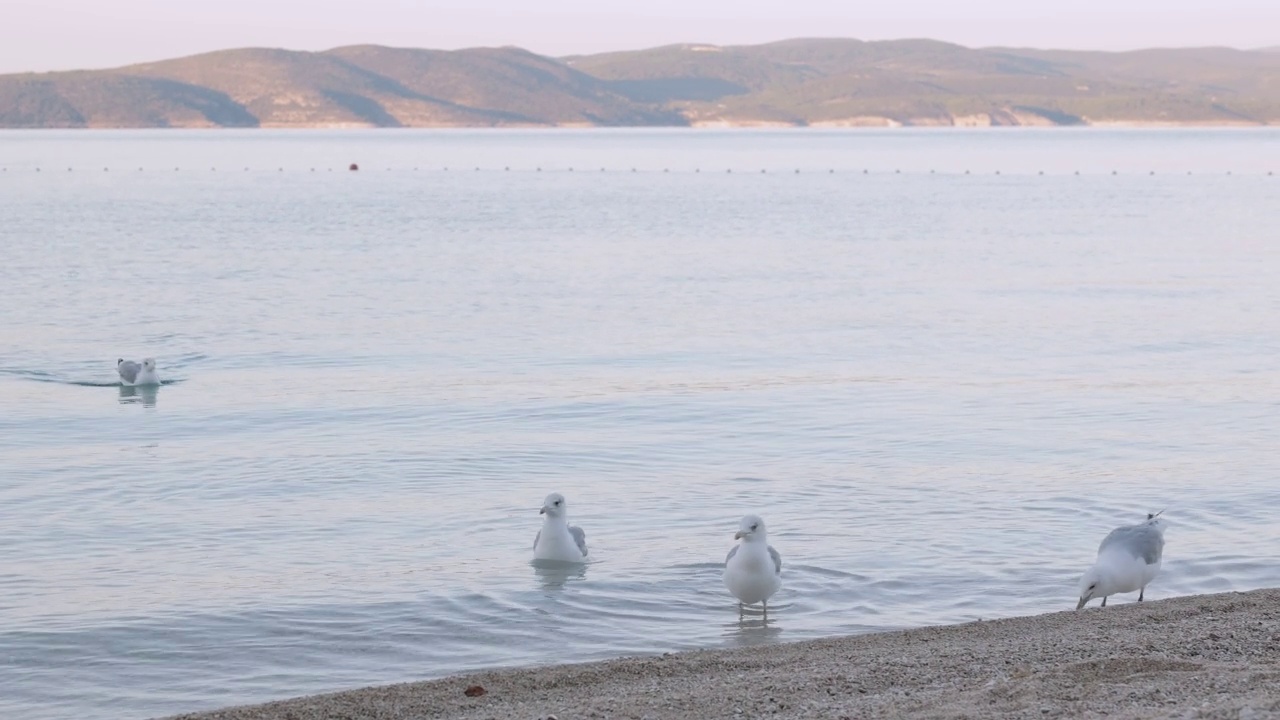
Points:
x=940, y=363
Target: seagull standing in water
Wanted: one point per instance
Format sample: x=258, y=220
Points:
x=132, y=374
x=558, y=541
x=752, y=569
x=1128, y=559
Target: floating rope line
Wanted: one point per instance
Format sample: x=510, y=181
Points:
x=730, y=170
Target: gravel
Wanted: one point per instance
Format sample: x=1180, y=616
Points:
x=1206, y=656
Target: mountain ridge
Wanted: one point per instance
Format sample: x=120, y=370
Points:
x=822, y=82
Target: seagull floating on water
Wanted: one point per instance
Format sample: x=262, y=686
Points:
x=558, y=541
x=131, y=373
x=752, y=569
x=1128, y=559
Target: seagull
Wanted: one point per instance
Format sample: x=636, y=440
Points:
x=1128, y=559
x=559, y=541
x=752, y=569
x=131, y=373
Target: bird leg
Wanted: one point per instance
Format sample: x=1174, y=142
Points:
x=1104, y=602
x=765, y=603
x=1141, y=592
x=740, y=611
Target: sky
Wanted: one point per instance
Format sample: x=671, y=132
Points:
x=42, y=35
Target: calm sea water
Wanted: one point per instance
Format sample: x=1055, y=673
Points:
x=940, y=389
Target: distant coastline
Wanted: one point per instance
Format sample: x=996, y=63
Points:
x=889, y=124
x=877, y=124
x=824, y=83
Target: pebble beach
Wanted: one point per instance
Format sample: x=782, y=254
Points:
x=1204, y=656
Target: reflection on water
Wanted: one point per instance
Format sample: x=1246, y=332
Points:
x=759, y=630
x=145, y=394
x=552, y=574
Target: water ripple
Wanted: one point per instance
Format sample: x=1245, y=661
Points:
x=942, y=392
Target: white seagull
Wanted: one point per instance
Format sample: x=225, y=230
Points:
x=752, y=569
x=558, y=541
x=1128, y=559
x=131, y=373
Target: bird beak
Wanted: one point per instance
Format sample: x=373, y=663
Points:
x=542, y=511
x=739, y=535
x=1083, y=599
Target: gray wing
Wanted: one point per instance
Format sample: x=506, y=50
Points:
x=732, y=552
x=129, y=370
x=1141, y=541
x=777, y=560
x=579, y=537
x=536, y=538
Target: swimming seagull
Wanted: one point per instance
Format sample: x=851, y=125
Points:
x=131, y=373
x=1128, y=559
x=752, y=569
x=558, y=540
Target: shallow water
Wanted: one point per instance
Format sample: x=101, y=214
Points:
x=940, y=389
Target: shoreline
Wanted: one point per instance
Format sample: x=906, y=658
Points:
x=1201, y=656
x=702, y=126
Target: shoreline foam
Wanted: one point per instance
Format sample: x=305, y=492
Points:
x=1203, y=656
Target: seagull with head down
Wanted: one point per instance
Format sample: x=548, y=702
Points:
x=1128, y=559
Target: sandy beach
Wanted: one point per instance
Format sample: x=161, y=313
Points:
x=1206, y=656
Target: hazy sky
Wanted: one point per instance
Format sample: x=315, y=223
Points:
x=61, y=34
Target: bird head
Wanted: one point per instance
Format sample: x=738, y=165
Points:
x=750, y=529
x=1089, y=586
x=554, y=505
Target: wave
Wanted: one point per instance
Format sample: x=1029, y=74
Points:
x=46, y=377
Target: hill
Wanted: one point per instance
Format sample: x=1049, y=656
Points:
x=925, y=82
x=365, y=86
x=818, y=82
